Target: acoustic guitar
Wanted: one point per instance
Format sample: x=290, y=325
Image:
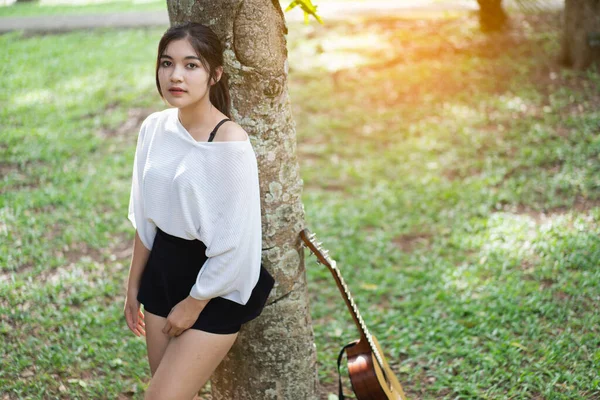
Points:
x=370, y=374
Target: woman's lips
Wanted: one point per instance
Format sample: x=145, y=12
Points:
x=176, y=91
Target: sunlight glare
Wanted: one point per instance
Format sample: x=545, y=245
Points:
x=34, y=97
x=509, y=236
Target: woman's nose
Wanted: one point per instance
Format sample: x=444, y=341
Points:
x=176, y=76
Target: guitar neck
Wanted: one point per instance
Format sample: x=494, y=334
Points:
x=348, y=299
x=360, y=323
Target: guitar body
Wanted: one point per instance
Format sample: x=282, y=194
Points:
x=369, y=381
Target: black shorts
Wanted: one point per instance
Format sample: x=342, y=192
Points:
x=170, y=273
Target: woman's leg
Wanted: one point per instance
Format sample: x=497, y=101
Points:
x=156, y=341
x=187, y=364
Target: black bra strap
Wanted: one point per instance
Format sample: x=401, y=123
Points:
x=214, y=131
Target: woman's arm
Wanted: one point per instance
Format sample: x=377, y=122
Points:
x=138, y=262
x=132, y=311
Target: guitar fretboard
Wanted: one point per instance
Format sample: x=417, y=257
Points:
x=332, y=265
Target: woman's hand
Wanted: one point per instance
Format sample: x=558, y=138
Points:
x=133, y=314
x=183, y=315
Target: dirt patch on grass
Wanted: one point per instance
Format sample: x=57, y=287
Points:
x=135, y=117
x=453, y=174
x=411, y=241
x=6, y=168
x=548, y=78
x=21, y=172
x=326, y=388
x=580, y=205
x=330, y=187
x=81, y=251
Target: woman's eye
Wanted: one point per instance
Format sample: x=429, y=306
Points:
x=192, y=65
x=165, y=63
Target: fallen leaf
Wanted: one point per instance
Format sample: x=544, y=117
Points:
x=369, y=286
x=26, y=374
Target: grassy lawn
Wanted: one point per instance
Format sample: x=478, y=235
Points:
x=35, y=8
x=62, y=7
x=454, y=177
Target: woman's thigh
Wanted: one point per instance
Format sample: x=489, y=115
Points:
x=187, y=364
x=156, y=340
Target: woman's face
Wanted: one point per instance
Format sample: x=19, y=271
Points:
x=182, y=78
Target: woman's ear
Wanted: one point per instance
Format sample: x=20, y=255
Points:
x=219, y=72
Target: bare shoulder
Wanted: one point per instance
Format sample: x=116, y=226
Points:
x=231, y=132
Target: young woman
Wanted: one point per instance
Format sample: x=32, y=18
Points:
x=195, y=205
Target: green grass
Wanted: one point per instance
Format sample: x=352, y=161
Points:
x=34, y=9
x=457, y=187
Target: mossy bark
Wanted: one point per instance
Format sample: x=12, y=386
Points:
x=274, y=356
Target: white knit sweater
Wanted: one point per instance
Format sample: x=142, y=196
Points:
x=200, y=190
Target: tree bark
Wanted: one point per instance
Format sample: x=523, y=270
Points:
x=274, y=356
x=492, y=17
x=581, y=34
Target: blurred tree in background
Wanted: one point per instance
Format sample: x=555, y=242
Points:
x=581, y=27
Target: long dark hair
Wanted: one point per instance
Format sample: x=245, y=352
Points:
x=209, y=49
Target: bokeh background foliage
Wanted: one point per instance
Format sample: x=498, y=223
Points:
x=452, y=175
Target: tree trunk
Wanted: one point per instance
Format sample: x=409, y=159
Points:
x=581, y=34
x=492, y=17
x=274, y=356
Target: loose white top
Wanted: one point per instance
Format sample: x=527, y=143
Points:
x=200, y=190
